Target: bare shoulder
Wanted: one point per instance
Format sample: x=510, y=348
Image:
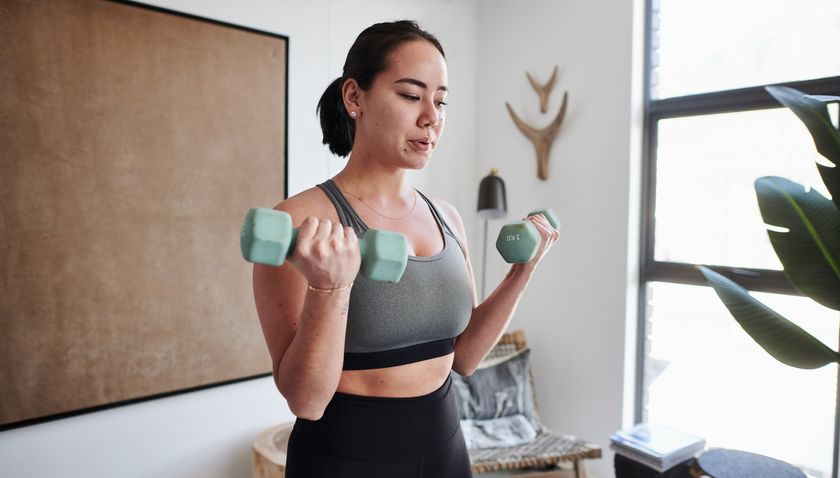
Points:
x=311, y=202
x=445, y=208
x=452, y=217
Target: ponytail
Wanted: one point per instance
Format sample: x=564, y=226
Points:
x=336, y=125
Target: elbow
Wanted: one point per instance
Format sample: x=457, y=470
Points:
x=304, y=407
x=461, y=367
x=306, y=411
x=463, y=370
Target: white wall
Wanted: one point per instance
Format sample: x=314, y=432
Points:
x=575, y=311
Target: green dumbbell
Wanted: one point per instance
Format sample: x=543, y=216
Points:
x=268, y=237
x=518, y=241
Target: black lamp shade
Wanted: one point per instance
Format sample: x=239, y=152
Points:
x=492, y=201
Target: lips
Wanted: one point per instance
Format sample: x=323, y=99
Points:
x=421, y=144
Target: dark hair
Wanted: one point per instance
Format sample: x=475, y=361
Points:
x=366, y=59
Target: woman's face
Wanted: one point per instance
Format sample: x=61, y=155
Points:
x=403, y=111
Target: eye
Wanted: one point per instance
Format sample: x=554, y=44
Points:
x=440, y=104
x=410, y=97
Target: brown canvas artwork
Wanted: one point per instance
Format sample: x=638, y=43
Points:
x=132, y=143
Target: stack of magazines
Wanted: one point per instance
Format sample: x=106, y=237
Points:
x=657, y=447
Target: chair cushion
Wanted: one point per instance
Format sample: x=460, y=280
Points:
x=499, y=388
x=497, y=432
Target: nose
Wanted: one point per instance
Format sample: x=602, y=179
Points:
x=429, y=116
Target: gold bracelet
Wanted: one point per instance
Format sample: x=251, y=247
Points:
x=329, y=291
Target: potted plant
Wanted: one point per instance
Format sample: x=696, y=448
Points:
x=809, y=251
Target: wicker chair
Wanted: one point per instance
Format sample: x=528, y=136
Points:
x=547, y=451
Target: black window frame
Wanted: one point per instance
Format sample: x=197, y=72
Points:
x=727, y=101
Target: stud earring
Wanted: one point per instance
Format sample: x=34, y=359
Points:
x=353, y=114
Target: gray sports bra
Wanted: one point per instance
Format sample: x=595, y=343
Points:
x=415, y=319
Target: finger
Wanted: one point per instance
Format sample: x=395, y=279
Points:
x=552, y=231
x=537, y=219
x=337, y=236
x=550, y=224
x=298, y=246
x=308, y=227
x=350, y=236
x=305, y=233
x=542, y=224
x=324, y=229
x=543, y=220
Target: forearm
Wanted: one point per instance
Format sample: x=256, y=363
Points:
x=490, y=319
x=309, y=372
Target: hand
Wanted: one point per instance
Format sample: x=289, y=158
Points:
x=326, y=254
x=548, y=235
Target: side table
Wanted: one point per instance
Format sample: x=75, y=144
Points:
x=269, y=452
x=724, y=463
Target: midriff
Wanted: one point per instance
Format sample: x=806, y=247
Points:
x=409, y=380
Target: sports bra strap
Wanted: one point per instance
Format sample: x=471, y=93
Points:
x=346, y=214
x=439, y=219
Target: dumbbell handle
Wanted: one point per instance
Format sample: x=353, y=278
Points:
x=293, y=244
x=268, y=237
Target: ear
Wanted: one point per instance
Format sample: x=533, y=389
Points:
x=350, y=93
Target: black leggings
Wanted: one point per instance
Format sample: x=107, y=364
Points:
x=373, y=437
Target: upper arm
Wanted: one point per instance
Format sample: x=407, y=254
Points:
x=279, y=292
x=453, y=219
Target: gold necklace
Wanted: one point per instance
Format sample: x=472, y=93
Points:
x=379, y=213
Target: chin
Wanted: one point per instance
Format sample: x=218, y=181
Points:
x=416, y=161
x=421, y=163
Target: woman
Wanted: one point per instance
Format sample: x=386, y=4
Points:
x=364, y=365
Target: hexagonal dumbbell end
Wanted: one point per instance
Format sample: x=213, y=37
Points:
x=518, y=241
x=267, y=236
x=549, y=214
x=384, y=255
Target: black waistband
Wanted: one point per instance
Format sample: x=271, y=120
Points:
x=400, y=356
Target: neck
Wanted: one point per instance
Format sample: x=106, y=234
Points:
x=373, y=181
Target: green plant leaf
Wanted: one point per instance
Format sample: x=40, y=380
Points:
x=831, y=178
x=781, y=338
x=825, y=98
x=810, y=250
x=813, y=111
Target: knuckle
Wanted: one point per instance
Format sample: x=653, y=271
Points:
x=323, y=248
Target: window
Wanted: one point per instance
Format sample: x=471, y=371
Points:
x=710, y=131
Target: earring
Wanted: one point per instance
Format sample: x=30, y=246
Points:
x=353, y=114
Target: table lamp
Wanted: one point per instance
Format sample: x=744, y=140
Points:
x=492, y=204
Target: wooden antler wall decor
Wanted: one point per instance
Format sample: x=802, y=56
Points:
x=542, y=138
x=543, y=90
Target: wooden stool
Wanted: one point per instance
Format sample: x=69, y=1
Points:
x=723, y=463
x=269, y=452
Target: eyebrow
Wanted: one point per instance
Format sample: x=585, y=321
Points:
x=419, y=83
